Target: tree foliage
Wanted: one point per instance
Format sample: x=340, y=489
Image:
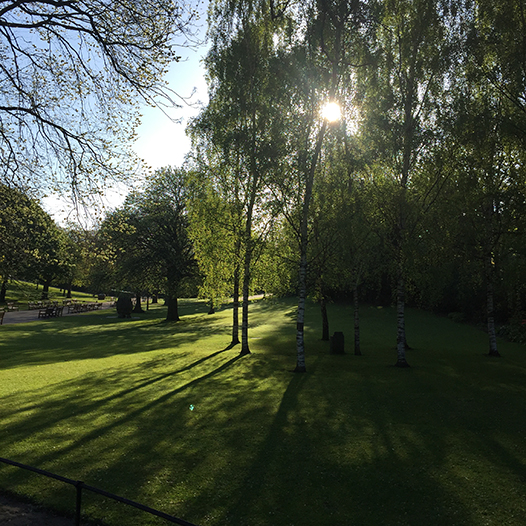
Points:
x=71, y=72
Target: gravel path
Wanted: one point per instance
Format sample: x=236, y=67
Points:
x=14, y=512
x=26, y=316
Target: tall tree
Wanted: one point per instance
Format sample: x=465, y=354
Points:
x=70, y=76
x=240, y=119
x=215, y=226
x=31, y=244
x=403, y=95
x=150, y=237
x=319, y=43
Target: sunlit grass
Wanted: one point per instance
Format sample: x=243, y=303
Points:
x=168, y=415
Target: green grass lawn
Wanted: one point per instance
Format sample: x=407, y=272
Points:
x=167, y=415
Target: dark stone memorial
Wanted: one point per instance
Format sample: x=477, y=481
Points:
x=337, y=343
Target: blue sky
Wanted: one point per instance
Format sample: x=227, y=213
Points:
x=161, y=141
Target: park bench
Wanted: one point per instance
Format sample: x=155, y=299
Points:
x=12, y=306
x=75, y=308
x=51, y=311
x=45, y=312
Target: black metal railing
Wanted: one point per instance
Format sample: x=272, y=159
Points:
x=79, y=486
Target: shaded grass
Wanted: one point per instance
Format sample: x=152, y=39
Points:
x=166, y=414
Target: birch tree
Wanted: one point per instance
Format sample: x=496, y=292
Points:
x=404, y=93
x=240, y=120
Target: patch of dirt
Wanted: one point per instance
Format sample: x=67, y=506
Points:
x=15, y=512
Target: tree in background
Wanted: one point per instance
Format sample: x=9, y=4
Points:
x=150, y=239
x=216, y=233
x=18, y=214
x=32, y=246
x=403, y=95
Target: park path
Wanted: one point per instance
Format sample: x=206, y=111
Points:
x=15, y=512
x=26, y=316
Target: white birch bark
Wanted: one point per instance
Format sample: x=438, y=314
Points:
x=400, y=322
x=492, y=335
x=357, y=349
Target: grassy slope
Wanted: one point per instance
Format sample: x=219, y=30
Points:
x=166, y=415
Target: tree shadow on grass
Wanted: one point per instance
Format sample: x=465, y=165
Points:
x=98, y=337
x=334, y=457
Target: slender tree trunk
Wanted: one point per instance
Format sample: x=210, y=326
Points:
x=324, y=319
x=211, y=310
x=400, y=317
x=300, y=323
x=357, y=350
x=235, y=309
x=3, y=291
x=246, y=274
x=138, y=308
x=45, y=290
x=155, y=299
x=68, y=295
x=244, y=309
x=173, y=310
x=493, y=351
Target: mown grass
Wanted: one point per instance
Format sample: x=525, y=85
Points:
x=167, y=415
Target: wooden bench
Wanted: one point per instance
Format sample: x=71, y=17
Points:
x=44, y=313
x=12, y=306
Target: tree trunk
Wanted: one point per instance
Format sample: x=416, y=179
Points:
x=154, y=299
x=138, y=309
x=173, y=311
x=400, y=317
x=300, y=323
x=246, y=276
x=357, y=350
x=324, y=320
x=235, y=309
x=244, y=309
x=493, y=351
x=3, y=291
x=68, y=295
x=211, y=310
x=45, y=291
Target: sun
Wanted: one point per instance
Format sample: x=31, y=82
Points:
x=331, y=111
